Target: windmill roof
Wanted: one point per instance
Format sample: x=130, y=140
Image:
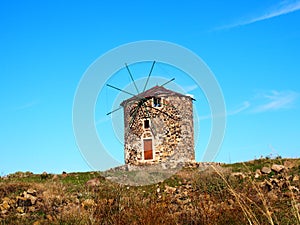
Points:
x=154, y=91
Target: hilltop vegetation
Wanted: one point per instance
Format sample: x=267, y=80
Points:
x=262, y=191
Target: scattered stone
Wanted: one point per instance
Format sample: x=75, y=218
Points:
x=265, y=170
x=44, y=175
x=22, y=201
x=169, y=190
x=4, y=212
x=277, y=168
x=20, y=209
x=257, y=174
x=296, y=178
x=294, y=189
x=239, y=175
x=93, y=182
x=28, y=198
x=289, y=164
x=79, y=195
x=20, y=215
x=64, y=174
x=275, y=182
x=289, y=177
x=6, y=199
x=4, y=206
x=284, y=184
x=31, y=192
x=267, y=185
x=55, y=177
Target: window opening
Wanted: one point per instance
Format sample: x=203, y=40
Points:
x=146, y=124
x=156, y=102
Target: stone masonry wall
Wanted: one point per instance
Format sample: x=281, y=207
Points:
x=171, y=130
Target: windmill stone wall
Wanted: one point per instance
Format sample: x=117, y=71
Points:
x=169, y=128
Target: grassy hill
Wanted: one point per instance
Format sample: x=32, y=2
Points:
x=264, y=191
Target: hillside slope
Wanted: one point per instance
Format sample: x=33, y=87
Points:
x=262, y=191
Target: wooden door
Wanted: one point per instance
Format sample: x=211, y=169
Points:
x=148, y=151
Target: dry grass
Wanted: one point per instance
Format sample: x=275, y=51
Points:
x=191, y=196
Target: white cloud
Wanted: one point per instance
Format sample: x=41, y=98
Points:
x=284, y=7
x=275, y=100
x=191, y=88
x=243, y=107
x=266, y=101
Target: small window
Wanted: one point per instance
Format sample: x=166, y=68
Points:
x=156, y=102
x=146, y=124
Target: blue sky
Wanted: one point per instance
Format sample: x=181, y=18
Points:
x=252, y=47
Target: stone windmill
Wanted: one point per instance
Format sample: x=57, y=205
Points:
x=158, y=126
